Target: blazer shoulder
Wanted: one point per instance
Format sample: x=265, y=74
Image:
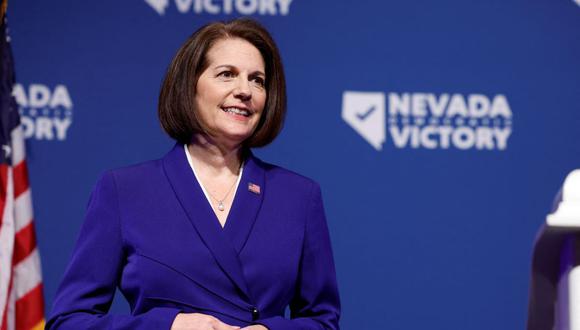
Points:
x=142, y=172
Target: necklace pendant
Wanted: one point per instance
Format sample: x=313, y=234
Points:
x=221, y=206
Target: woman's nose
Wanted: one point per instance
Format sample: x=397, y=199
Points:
x=243, y=90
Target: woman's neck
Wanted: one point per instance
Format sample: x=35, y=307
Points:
x=213, y=158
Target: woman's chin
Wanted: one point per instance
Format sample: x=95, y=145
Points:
x=231, y=138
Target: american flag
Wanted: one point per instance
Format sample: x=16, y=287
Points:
x=254, y=188
x=21, y=298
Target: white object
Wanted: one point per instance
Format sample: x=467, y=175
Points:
x=568, y=212
x=567, y=217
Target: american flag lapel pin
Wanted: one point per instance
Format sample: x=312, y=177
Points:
x=252, y=187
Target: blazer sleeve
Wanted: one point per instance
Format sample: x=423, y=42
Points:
x=316, y=304
x=86, y=292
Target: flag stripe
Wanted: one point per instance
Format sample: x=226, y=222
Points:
x=6, y=239
x=20, y=178
x=29, y=308
x=3, y=182
x=21, y=299
x=8, y=318
x=18, y=148
x=4, y=325
x=11, y=311
x=24, y=243
x=27, y=275
x=22, y=211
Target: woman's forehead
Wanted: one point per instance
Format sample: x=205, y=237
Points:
x=235, y=52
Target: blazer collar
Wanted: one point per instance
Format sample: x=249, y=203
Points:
x=247, y=203
x=224, y=243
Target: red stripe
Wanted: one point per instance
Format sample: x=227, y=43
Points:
x=20, y=178
x=30, y=309
x=24, y=243
x=3, y=187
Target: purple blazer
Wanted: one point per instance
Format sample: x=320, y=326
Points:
x=150, y=231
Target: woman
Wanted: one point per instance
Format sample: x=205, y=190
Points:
x=208, y=237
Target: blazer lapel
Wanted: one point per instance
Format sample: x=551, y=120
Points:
x=247, y=203
x=195, y=204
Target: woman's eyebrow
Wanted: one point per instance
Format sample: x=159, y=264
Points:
x=225, y=66
x=258, y=73
x=229, y=66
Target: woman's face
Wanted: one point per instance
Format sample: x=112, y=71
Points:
x=231, y=92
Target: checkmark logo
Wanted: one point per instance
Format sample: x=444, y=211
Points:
x=363, y=116
x=365, y=113
x=158, y=5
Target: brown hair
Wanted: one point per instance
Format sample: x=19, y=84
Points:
x=177, y=98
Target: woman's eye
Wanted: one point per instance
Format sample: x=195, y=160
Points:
x=226, y=74
x=259, y=81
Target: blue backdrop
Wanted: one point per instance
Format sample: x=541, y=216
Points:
x=439, y=131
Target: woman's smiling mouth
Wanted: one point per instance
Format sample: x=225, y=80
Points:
x=237, y=111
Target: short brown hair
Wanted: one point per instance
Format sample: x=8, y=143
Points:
x=177, y=98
